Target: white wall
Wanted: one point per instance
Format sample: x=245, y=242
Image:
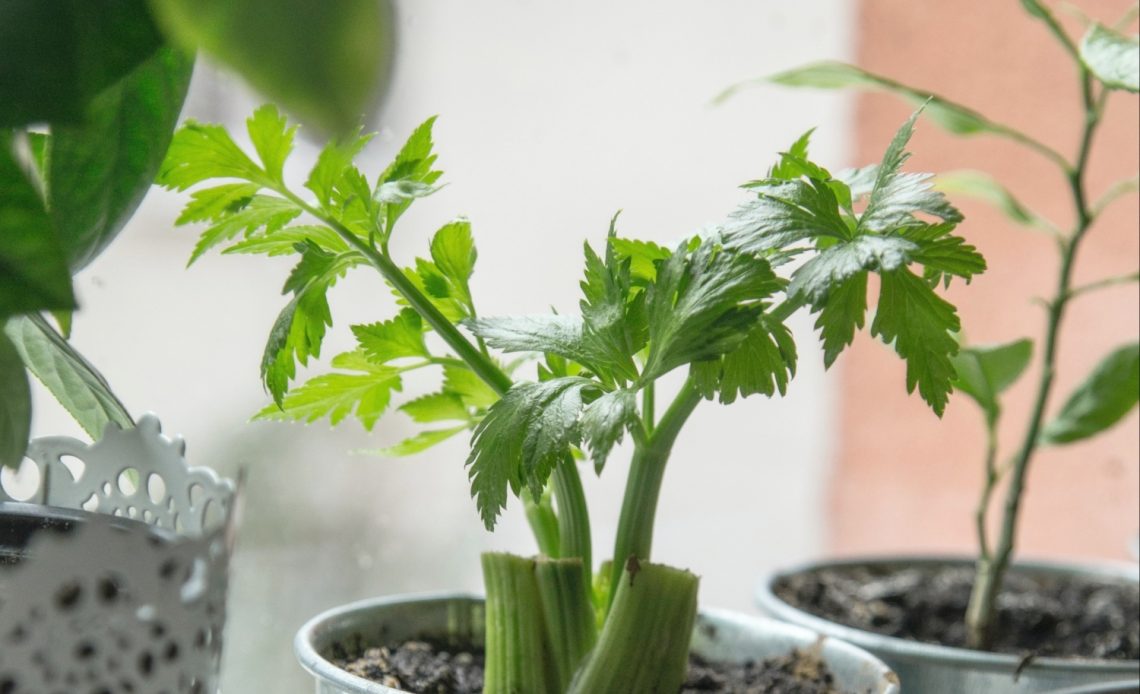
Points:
x=551, y=118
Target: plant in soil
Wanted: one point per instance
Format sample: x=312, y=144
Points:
x=1105, y=61
x=714, y=304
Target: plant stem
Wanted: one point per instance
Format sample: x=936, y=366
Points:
x=644, y=645
x=643, y=486
x=569, y=613
x=1104, y=284
x=517, y=657
x=982, y=510
x=543, y=523
x=575, y=522
x=648, y=403
x=980, y=615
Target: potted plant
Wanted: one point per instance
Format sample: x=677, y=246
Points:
x=1000, y=629
x=713, y=305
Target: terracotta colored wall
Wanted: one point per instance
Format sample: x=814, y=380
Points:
x=905, y=480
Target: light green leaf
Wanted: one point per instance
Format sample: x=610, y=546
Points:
x=262, y=214
x=201, y=151
x=337, y=395
x=333, y=163
x=285, y=241
x=983, y=187
x=272, y=138
x=77, y=385
x=101, y=168
x=413, y=163
x=212, y=204
x=984, y=372
x=604, y=422
x=15, y=405
x=33, y=265
x=1106, y=396
x=453, y=250
x=643, y=257
x=403, y=336
x=471, y=389
x=1112, y=57
x=325, y=61
x=436, y=407
x=418, y=443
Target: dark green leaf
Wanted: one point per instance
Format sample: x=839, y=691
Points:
x=403, y=336
x=920, y=324
x=33, y=266
x=58, y=55
x=82, y=390
x=985, y=372
x=436, y=407
x=1112, y=57
x=15, y=405
x=325, y=61
x=784, y=213
x=604, y=422
x=815, y=278
x=101, y=168
x=841, y=314
x=522, y=438
x=549, y=333
x=763, y=363
x=418, y=443
x=1106, y=396
x=337, y=395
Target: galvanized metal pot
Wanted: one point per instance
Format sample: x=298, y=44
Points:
x=1126, y=687
x=718, y=635
x=932, y=669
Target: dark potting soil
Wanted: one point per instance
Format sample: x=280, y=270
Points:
x=1037, y=615
x=427, y=668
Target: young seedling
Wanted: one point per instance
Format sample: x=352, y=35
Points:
x=1105, y=60
x=713, y=304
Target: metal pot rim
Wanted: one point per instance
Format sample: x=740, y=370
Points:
x=768, y=602
x=318, y=666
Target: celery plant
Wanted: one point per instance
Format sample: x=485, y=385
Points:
x=714, y=304
x=1105, y=60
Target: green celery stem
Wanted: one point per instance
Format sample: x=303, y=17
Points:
x=517, y=654
x=644, y=645
x=543, y=523
x=573, y=519
x=568, y=612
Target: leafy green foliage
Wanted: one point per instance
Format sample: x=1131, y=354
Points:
x=1103, y=399
x=365, y=393
x=58, y=56
x=403, y=336
x=326, y=62
x=764, y=362
x=418, y=443
x=523, y=436
x=985, y=372
x=15, y=405
x=810, y=214
x=437, y=407
x=604, y=422
x=1112, y=57
x=82, y=390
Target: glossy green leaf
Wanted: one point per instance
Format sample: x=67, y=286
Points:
x=1106, y=396
x=1112, y=57
x=325, y=61
x=74, y=382
x=984, y=372
x=604, y=422
x=101, y=168
x=33, y=265
x=15, y=405
x=57, y=55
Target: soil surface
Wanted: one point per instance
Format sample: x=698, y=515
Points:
x=1037, y=615
x=427, y=668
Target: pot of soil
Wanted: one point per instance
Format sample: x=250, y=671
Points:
x=116, y=580
x=1059, y=625
x=433, y=643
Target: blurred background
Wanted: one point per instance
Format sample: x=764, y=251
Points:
x=551, y=119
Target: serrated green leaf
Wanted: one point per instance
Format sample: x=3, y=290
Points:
x=77, y=385
x=471, y=389
x=326, y=62
x=920, y=324
x=338, y=395
x=33, y=265
x=272, y=138
x=453, y=251
x=604, y=422
x=614, y=318
x=101, y=168
x=1103, y=399
x=334, y=161
x=984, y=187
x=523, y=436
x=782, y=214
x=15, y=405
x=402, y=336
x=285, y=241
x=211, y=204
x=815, y=278
x=201, y=151
x=1112, y=57
x=790, y=166
x=984, y=372
x=261, y=213
x=833, y=75
x=430, y=281
x=763, y=363
x=418, y=443
x=548, y=333
x=840, y=315
x=58, y=56
x=697, y=306
x=413, y=163
x=643, y=257
x=436, y=407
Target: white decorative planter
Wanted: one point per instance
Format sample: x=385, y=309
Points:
x=115, y=579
